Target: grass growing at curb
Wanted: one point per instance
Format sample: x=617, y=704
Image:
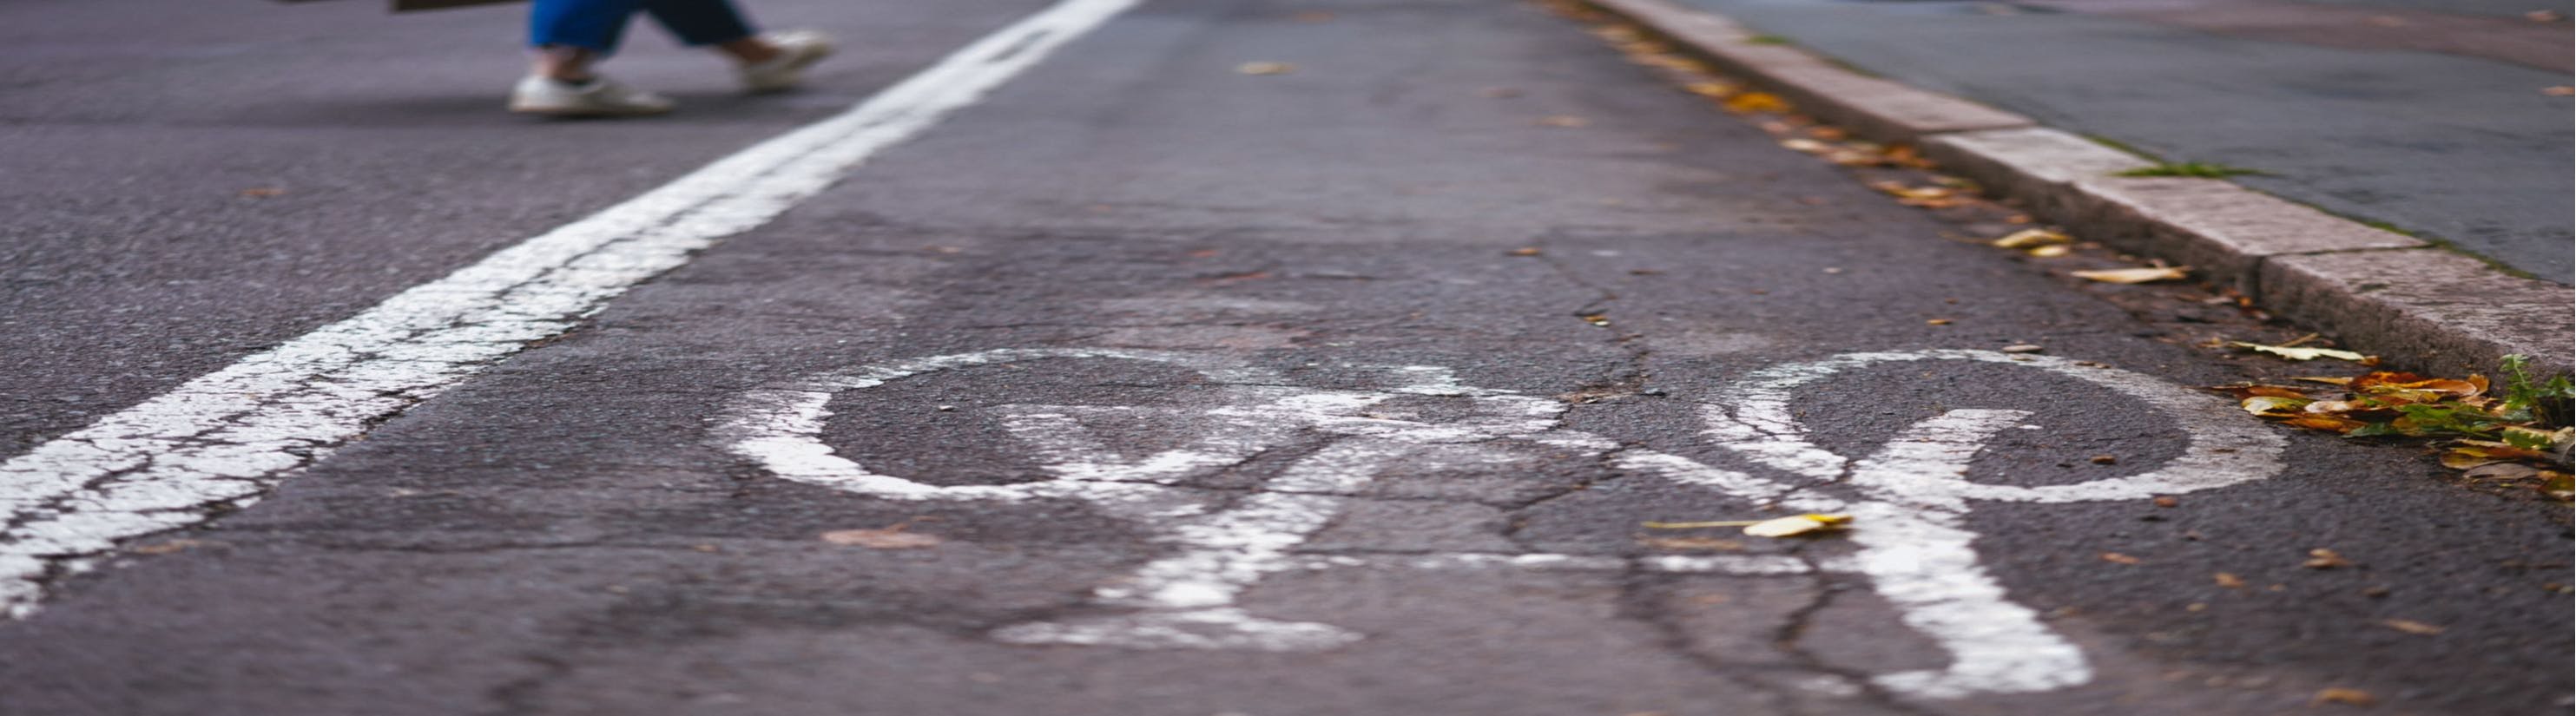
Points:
x=2202, y=170
x=1766, y=40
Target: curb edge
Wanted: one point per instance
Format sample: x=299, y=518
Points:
x=2421, y=307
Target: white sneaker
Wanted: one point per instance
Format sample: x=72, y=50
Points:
x=797, y=49
x=600, y=97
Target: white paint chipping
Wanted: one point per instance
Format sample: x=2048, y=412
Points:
x=229, y=436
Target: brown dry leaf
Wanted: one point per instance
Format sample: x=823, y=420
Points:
x=2509, y=471
x=2257, y=389
x=2559, y=91
x=2324, y=559
x=1265, y=68
x=1563, y=120
x=1698, y=544
x=2027, y=239
x=1834, y=134
x=2137, y=275
x=1798, y=525
x=2328, y=380
x=1750, y=102
x=2118, y=558
x=1938, y=321
x=2411, y=626
x=2352, y=697
x=2329, y=423
x=2378, y=382
x=2229, y=581
x=888, y=538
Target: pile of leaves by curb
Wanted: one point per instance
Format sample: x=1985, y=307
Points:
x=2518, y=435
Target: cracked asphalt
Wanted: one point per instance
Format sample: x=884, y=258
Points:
x=572, y=532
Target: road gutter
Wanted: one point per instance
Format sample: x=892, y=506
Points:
x=2417, y=305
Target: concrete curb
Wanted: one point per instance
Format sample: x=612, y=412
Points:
x=2380, y=292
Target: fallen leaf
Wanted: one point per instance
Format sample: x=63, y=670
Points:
x=2118, y=558
x=2559, y=91
x=2167, y=501
x=2050, y=252
x=2031, y=239
x=1265, y=68
x=2327, y=423
x=2300, y=353
x=1798, y=525
x=2513, y=471
x=2229, y=581
x=2411, y=626
x=1809, y=146
x=2137, y=275
x=2352, y=697
x=1749, y=102
x=2274, y=406
x=887, y=538
x=1719, y=90
x=2325, y=559
x=2113, y=460
x=1563, y=120
x=1938, y=321
x=1524, y=251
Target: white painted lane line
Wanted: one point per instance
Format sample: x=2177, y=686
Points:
x=227, y=437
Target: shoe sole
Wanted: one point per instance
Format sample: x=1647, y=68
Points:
x=797, y=67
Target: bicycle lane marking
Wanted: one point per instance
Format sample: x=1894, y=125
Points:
x=1912, y=499
x=1915, y=497
x=228, y=436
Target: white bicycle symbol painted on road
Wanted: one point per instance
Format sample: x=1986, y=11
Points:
x=1912, y=494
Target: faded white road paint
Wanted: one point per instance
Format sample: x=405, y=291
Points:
x=1913, y=496
x=227, y=437
x=1916, y=495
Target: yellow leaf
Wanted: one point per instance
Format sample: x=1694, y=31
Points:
x=2137, y=275
x=1798, y=525
x=1809, y=146
x=2411, y=626
x=2047, y=252
x=1718, y=90
x=1748, y=102
x=2031, y=239
x=2324, y=559
x=2118, y=558
x=1265, y=68
x=2300, y=353
x=2229, y=581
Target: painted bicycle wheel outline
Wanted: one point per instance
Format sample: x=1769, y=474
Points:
x=1913, y=495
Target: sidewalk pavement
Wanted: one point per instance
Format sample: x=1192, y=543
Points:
x=2444, y=131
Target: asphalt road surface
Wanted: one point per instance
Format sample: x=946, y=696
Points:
x=1080, y=371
